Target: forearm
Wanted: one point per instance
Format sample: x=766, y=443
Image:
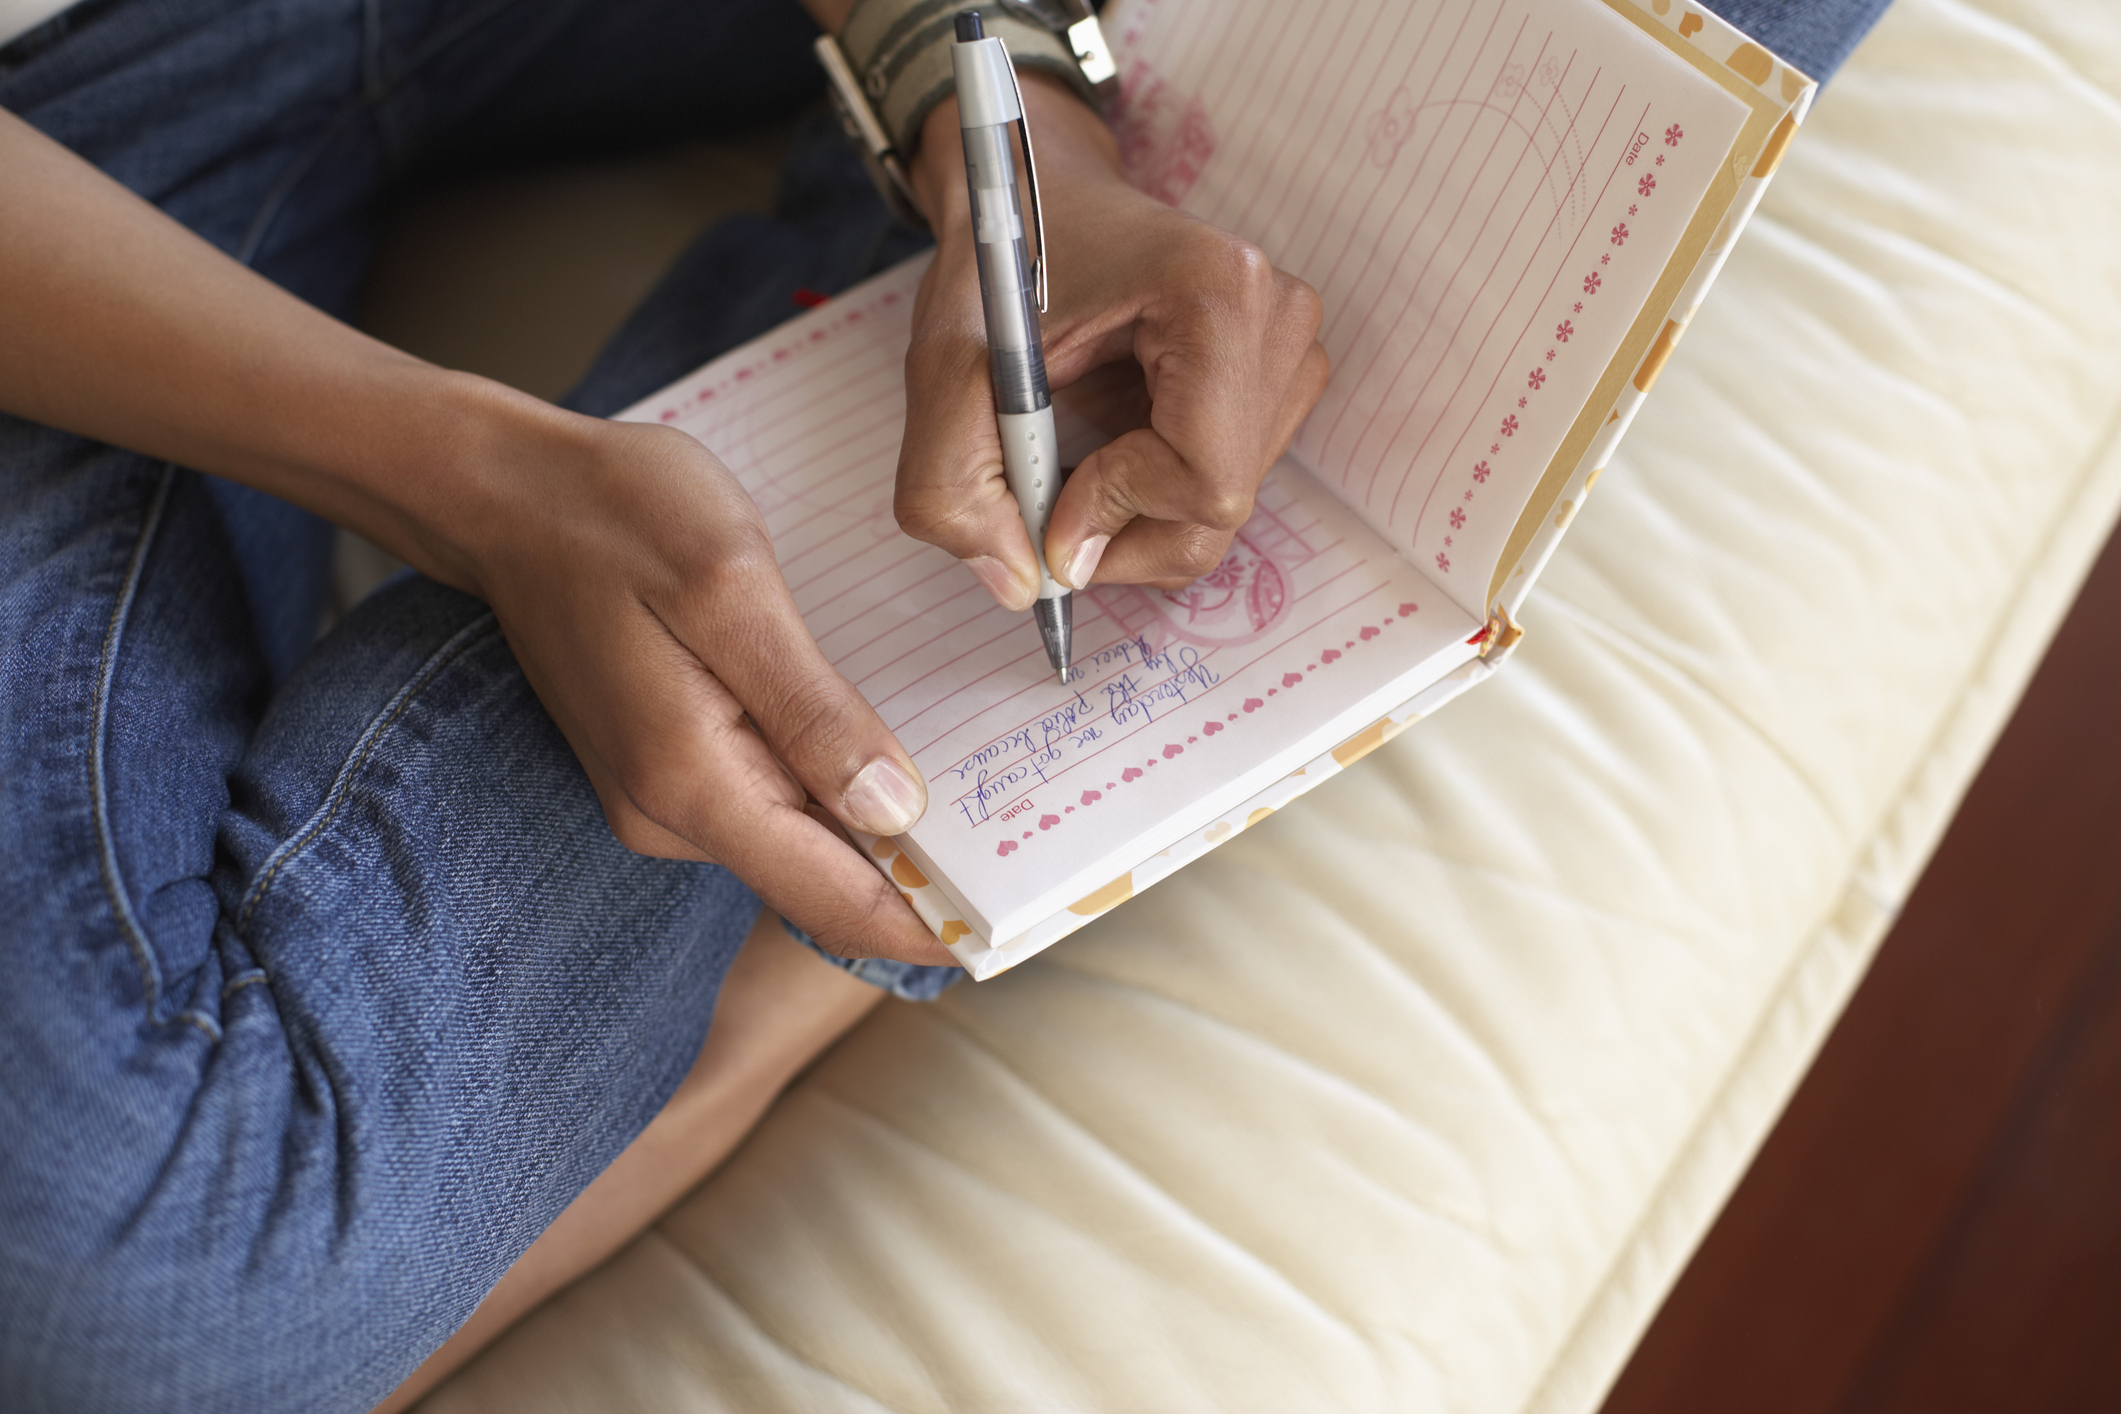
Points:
x=119, y=324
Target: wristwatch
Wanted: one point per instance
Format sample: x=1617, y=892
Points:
x=890, y=67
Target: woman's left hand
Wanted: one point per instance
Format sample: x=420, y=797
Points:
x=1215, y=349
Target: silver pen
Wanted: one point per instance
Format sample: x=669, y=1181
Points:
x=1013, y=292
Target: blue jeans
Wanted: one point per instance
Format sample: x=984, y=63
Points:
x=325, y=984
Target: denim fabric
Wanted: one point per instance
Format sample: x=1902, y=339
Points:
x=1815, y=35
x=326, y=985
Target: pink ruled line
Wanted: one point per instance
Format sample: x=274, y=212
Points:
x=1269, y=23
x=713, y=411
x=1039, y=685
x=869, y=580
x=1473, y=300
x=1413, y=184
x=1210, y=61
x=1008, y=731
x=1472, y=362
x=1589, y=215
x=1366, y=104
x=1271, y=117
x=784, y=478
x=1332, y=224
x=1227, y=681
x=1008, y=629
x=775, y=386
x=1436, y=246
x=866, y=581
x=986, y=610
x=889, y=391
x=1036, y=684
x=1291, y=121
x=897, y=592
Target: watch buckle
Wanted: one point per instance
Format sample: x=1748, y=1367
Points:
x=859, y=121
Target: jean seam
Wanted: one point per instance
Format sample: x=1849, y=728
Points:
x=460, y=643
x=276, y=199
x=376, y=85
x=205, y=1023
x=456, y=29
x=98, y=777
x=253, y=978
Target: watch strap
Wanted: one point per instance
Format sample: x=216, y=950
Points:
x=899, y=52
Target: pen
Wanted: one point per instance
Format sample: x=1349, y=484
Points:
x=1012, y=293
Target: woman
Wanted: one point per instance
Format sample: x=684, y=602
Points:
x=357, y=988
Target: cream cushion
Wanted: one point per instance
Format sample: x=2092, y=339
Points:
x=1418, y=1096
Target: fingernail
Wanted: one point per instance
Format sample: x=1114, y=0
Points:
x=884, y=800
x=1008, y=591
x=1083, y=563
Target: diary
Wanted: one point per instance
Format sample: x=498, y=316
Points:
x=1511, y=209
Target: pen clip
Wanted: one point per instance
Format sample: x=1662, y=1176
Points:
x=1038, y=215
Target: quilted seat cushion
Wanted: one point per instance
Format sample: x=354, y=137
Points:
x=1417, y=1096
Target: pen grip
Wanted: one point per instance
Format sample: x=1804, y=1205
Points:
x=1031, y=463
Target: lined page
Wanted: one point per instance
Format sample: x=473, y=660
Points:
x=1482, y=191
x=1181, y=705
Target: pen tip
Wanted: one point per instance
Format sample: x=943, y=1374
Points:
x=1056, y=625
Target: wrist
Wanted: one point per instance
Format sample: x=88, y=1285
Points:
x=444, y=474
x=1072, y=142
x=510, y=464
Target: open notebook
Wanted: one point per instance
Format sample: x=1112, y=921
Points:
x=1511, y=209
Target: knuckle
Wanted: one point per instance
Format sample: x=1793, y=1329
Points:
x=1318, y=364
x=739, y=559
x=811, y=719
x=1242, y=264
x=965, y=524
x=657, y=773
x=846, y=925
x=1241, y=272
x=1223, y=505
x=1198, y=550
x=1227, y=269
x=869, y=918
x=918, y=512
x=1303, y=307
x=1120, y=468
x=928, y=514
